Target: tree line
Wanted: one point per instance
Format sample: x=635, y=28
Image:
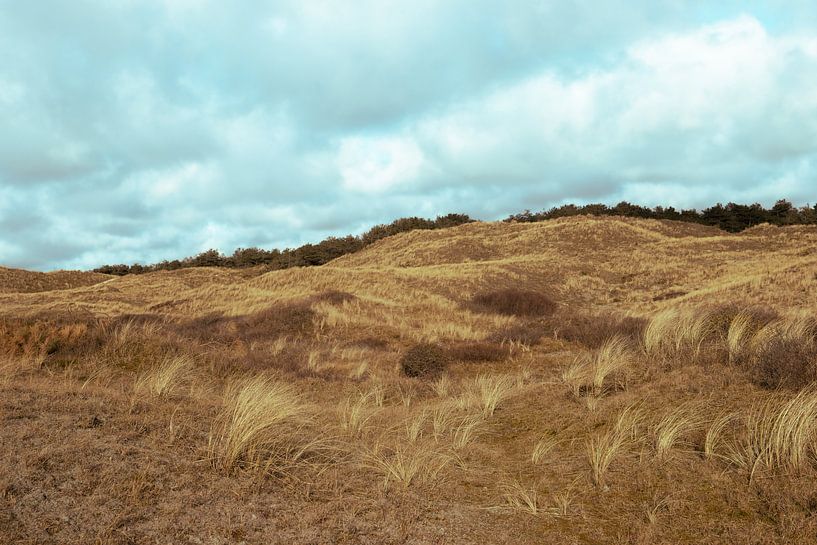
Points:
x=303, y=256
x=731, y=217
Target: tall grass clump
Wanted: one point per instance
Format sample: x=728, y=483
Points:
x=356, y=411
x=405, y=465
x=259, y=426
x=594, y=374
x=671, y=428
x=486, y=392
x=673, y=334
x=167, y=377
x=781, y=433
x=603, y=447
x=714, y=434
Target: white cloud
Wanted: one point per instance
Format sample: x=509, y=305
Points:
x=149, y=130
x=378, y=164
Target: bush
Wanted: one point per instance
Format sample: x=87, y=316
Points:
x=424, y=360
x=479, y=351
x=513, y=302
x=784, y=363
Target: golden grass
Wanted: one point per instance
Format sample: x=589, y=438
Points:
x=406, y=464
x=671, y=427
x=486, y=393
x=258, y=425
x=592, y=374
x=673, y=332
x=714, y=434
x=407, y=431
x=603, y=447
x=356, y=411
x=442, y=386
x=464, y=432
x=519, y=498
x=542, y=448
x=781, y=433
x=741, y=329
x=166, y=378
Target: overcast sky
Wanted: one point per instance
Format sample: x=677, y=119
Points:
x=139, y=130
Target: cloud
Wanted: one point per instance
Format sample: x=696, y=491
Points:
x=140, y=131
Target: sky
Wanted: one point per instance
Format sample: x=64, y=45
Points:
x=142, y=130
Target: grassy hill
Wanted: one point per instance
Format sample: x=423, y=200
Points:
x=21, y=281
x=586, y=379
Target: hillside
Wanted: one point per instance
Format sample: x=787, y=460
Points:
x=21, y=281
x=581, y=380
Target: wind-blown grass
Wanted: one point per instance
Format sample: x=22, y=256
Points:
x=259, y=426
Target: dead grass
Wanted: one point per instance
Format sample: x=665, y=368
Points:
x=405, y=465
x=259, y=427
x=670, y=429
x=605, y=370
x=356, y=411
x=302, y=455
x=168, y=377
x=486, y=392
x=603, y=447
x=781, y=433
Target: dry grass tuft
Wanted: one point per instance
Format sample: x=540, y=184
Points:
x=713, y=437
x=781, y=433
x=486, y=392
x=602, y=448
x=542, y=448
x=405, y=465
x=521, y=499
x=463, y=433
x=356, y=413
x=610, y=363
x=258, y=426
x=671, y=428
x=167, y=377
x=677, y=333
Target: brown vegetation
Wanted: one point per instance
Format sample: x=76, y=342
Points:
x=362, y=401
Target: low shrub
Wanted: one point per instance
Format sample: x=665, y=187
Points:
x=784, y=363
x=513, y=302
x=424, y=360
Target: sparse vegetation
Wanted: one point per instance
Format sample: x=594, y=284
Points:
x=667, y=397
